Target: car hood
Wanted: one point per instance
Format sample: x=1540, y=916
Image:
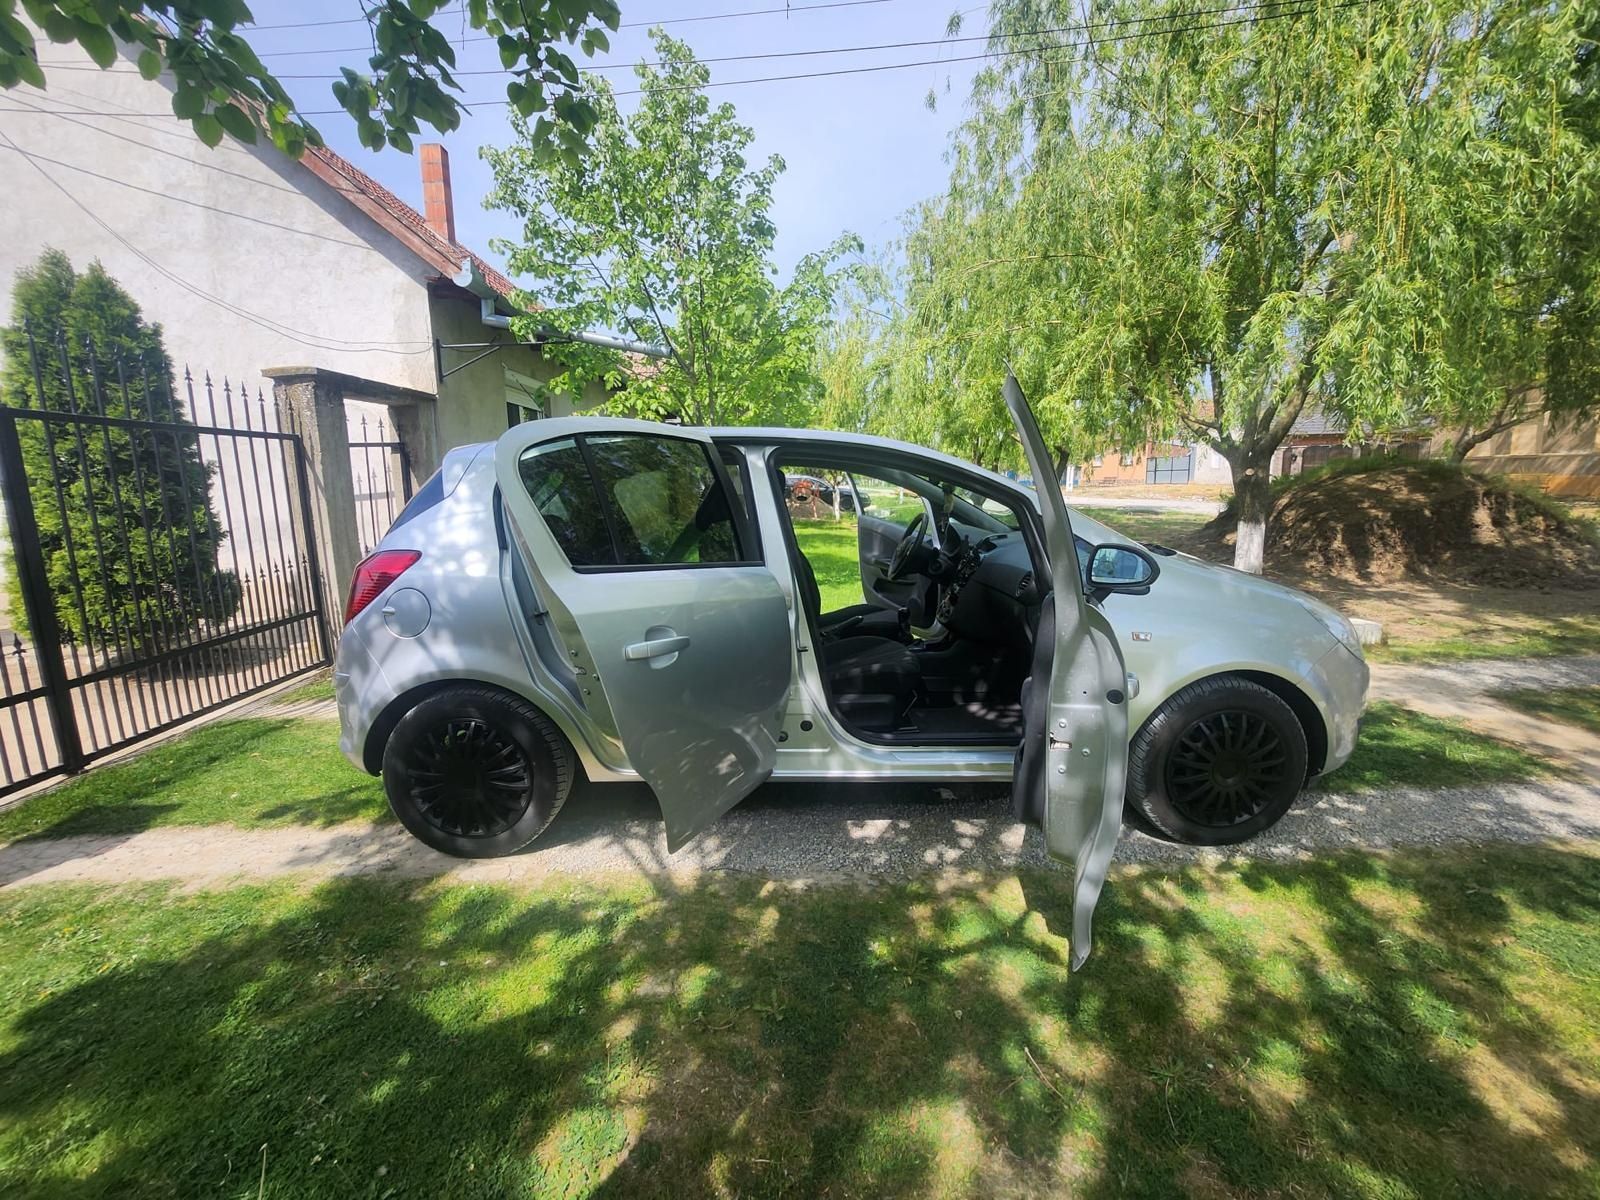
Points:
x=1229, y=580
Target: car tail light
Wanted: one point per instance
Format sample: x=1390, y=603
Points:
x=373, y=574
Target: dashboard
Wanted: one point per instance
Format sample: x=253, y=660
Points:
x=993, y=585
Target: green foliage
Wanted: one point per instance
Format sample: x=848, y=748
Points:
x=222, y=86
x=665, y=231
x=1202, y=227
x=78, y=343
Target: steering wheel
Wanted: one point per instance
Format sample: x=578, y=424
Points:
x=909, y=541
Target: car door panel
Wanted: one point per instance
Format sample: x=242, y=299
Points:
x=687, y=664
x=876, y=539
x=1073, y=761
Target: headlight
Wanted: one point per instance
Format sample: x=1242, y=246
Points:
x=1344, y=632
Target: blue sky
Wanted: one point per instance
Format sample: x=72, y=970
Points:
x=860, y=149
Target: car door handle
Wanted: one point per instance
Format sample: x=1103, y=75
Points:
x=655, y=648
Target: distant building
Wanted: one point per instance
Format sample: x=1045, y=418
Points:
x=1559, y=455
x=1154, y=463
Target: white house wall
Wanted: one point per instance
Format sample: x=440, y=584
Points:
x=310, y=279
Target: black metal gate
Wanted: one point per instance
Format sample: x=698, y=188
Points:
x=161, y=564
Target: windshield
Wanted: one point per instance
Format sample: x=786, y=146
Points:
x=989, y=507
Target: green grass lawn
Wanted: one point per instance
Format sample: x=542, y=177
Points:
x=1149, y=525
x=250, y=772
x=319, y=688
x=1414, y=1025
x=1402, y=748
x=831, y=548
x=1578, y=706
x=1562, y=636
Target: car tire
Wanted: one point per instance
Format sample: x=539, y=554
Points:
x=475, y=772
x=1219, y=762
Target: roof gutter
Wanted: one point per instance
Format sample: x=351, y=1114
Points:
x=473, y=281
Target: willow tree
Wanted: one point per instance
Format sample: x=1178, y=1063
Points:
x=1171, y=222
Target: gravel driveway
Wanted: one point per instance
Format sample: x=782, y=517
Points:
x=793, y=831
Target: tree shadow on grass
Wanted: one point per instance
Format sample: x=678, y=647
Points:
x=1353, y=1025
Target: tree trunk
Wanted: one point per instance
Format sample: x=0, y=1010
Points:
x=1063, y=465
x=1252, y=497
x=1469, y=441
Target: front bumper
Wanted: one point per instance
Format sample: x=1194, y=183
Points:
x=1340, y=680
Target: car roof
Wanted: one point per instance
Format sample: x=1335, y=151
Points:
x=777, y=436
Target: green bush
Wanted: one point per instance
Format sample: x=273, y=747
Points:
x=125, y=512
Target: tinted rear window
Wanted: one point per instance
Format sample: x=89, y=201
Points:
x=632, y=500
x=425, y=498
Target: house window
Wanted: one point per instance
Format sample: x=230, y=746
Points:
x=1097, y=460
x=516, y=413
x=526, y=398
x=1127, y=458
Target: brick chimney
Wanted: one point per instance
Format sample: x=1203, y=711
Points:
x=437, y=205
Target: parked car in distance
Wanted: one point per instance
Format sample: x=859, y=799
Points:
x=636, y=602
x=808, y=487
x=802, y=487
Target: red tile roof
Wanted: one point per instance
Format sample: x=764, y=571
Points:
x=412, y=228
x=399, y=218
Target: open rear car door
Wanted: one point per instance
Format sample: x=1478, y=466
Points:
x=1073, y=760
x=651, y=580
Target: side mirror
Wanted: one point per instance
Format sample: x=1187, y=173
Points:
x=1116, y=567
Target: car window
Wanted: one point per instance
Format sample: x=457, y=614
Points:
x=558, y=482
x=670, y=505
x=631, y=500
x=990, y=507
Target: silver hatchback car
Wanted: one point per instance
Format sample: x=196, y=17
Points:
x=642, y=602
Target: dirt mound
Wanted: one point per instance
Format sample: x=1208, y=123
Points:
x=1420, y=520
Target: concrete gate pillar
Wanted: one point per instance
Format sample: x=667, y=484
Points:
x=314, y=401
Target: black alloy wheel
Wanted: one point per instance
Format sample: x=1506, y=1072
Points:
x=469, y=779
x=1218, y=762
x=476, y=772
x=1226, y=768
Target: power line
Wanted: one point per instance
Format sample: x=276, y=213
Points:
x=341, y=21
x=863, y=49
x=752, y=12
x=786, y=10
x=1289, y=9
x=267, y=323
x=1300, y=8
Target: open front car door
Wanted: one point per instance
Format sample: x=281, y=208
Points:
x=653, y=585
x=1074, y=754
